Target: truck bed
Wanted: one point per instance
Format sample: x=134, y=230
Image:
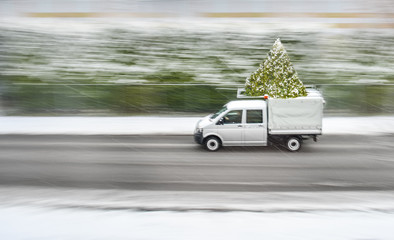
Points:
x=302, y=115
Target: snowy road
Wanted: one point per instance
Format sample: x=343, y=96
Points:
x=176, y=163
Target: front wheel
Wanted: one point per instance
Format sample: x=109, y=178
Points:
x=293, y=144
x=212, y=144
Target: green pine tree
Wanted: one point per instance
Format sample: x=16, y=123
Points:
x=276, y=77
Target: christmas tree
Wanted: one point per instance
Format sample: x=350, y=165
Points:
x=276, y=77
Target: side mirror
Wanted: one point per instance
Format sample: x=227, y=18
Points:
x=220, y=122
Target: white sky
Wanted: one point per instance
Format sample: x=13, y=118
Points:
x=193, y=7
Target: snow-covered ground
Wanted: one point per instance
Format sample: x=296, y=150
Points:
x=184, y=201
x=32, y=223
x=167, y=125
x=45, y=213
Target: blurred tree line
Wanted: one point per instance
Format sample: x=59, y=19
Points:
x=153, y=99
x=119, y=70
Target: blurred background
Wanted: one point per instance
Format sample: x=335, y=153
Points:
x=154, y=57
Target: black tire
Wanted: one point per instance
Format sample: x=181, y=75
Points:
x=212, y=144
x=293, y=144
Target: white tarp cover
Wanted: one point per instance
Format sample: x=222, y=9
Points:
x=302, y=115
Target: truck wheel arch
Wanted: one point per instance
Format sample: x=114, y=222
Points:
x=213, y=135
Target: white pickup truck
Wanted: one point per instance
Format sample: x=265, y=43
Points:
x=261, y=122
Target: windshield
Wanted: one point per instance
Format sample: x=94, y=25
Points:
x=213, y=116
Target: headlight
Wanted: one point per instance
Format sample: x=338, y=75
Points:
x=198, y=130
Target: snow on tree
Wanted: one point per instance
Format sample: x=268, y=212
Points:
x=276, y=77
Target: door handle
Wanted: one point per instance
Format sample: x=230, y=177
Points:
x=239, y=126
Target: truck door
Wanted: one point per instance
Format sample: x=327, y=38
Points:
x=231, y=130
x=255, y=130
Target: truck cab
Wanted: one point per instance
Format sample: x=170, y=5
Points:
x=238, y=123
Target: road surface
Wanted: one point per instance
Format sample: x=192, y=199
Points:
x=176, y=163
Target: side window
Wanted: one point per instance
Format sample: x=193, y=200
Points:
x=233, y=117
x=254, y=116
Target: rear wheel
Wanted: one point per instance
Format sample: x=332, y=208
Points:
x=212, y=144
x=293, y=144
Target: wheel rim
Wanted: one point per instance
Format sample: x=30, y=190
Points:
x=293, y=144
x=212, y=144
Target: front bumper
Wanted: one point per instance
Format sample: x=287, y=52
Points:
x=198, y=137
